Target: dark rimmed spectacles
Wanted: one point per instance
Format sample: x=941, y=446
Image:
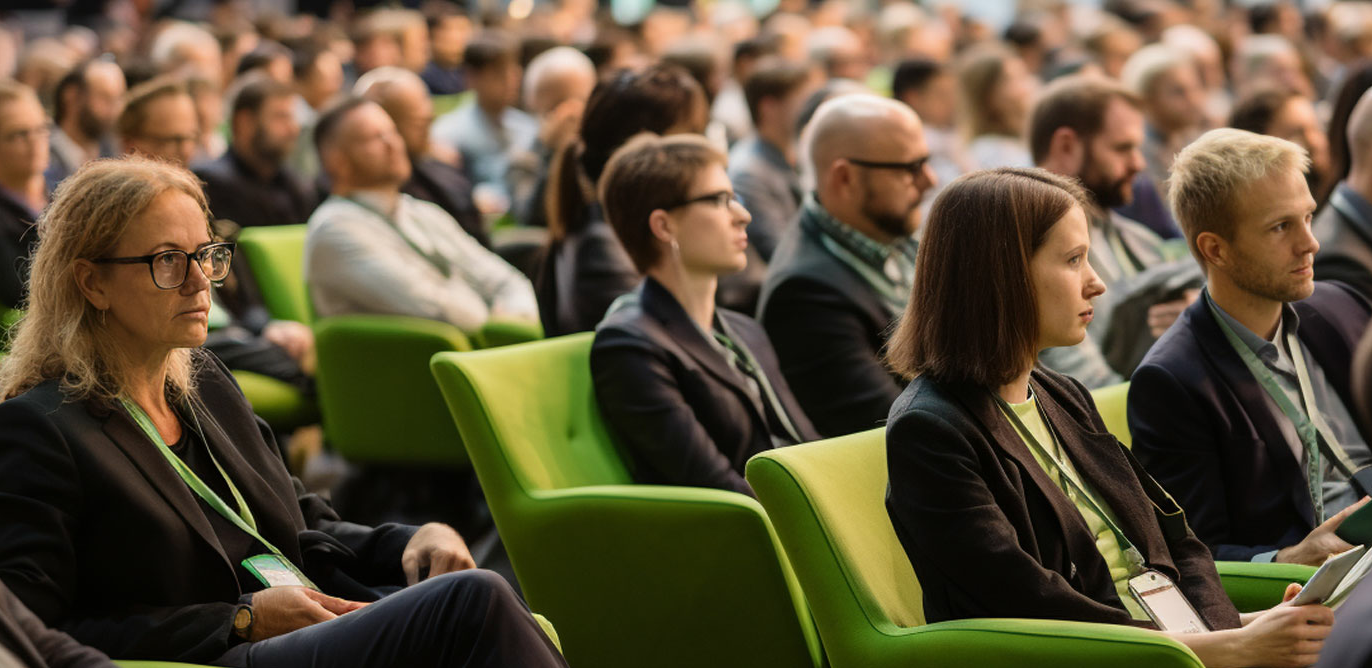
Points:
x=915, y=167
x=720, y=199
x=170, y=268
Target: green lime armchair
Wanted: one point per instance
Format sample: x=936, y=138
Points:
x=276, y=257
x=635, y=575
x=827, y=500
x=1112, y=403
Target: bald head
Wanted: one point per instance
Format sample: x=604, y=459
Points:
x=858, y=125
x=1360, y=134
x=406, y=100
x=868, y=161
x=555, y=76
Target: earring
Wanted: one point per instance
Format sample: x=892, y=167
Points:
x=675, y=248
x=102, y=317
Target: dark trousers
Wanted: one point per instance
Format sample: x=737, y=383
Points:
x=471, y=619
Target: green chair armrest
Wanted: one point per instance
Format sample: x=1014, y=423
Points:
x=1259, y=586
x=1027, y=643
x=496, y=333
x=277, y=402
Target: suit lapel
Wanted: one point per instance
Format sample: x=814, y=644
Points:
x=126, y=435
x=1328, y=348
x=1254, y=400
x=663, y=307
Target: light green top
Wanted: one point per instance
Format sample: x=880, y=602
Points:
x=1106, y=541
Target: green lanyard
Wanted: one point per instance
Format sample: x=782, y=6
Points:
x=435, y=259
x=1314, y=434
x=243, y=519
x=1137, y=565
x=889, y=292
x=742, y=354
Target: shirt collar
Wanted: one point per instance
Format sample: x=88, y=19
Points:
x=870, y=251
x=1265, y=350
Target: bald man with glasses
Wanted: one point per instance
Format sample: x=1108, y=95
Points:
x=841, y=276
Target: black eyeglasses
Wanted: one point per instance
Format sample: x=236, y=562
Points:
x=170, y=268
x=720, y=199
x=914, y=167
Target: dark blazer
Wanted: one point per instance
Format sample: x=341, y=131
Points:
x=235, y=192
x=829, y=331
x=17, y=238
x=581, y=276
x=990, y=535
x=1345, y=250
x=445, y=185
x=1202, y=427
x=101, y=538
x=674, y=403
x=26, y=639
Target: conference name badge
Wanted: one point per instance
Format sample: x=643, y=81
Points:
x=274, y=571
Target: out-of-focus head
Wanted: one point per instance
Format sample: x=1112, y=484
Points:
x=868, y=159
x=1360, y=134
x=996, y=91
x=775, y=93
x=1284, y=113
x=406, y=99
x=556, y=76
x=318, y=76
x=160, y=120
x=1091, y=128
x=360, y=147
x=1243, y=204
x=271, y=59
x=1021, y=230
x=262, y=120
x=42, y=63
x=376, y=37
x=187, y=49
x=491, y=60
x=85, y=320
x=209, y=108
x=703, y=58
x=24, y=132
x=448, y=35
x=930, y=88
x=669, y=200
x=1269, y=61
x=1111, y=43
x=1202, y=48
x=839, y=53
x=1168, y=83
x=90, y=96
x=661, y=99
x=789, y=33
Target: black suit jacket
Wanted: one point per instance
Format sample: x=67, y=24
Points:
x=445, y=185
x=990, y=535
x=101, y=538
x=829, y=331
x=580, y=277
x=25, y=637
x=238, y=194
x=1345, y=250
x=1201, y=425
x=674, y=403
x=17, y=238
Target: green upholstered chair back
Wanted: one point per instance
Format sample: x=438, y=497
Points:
x=1113, y=402
x=520, y=397
x=378, y=399
x=834, y=491
x=276, y=256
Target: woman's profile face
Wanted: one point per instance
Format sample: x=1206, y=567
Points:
x=710, y=233
x=1064, y=282
x=151, y=319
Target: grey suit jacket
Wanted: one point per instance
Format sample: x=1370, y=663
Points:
x=1345, y=243
x=770, y=190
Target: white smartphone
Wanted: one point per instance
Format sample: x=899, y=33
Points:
x=1165, y=604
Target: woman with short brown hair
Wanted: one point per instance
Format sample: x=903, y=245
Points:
x=1009, y=495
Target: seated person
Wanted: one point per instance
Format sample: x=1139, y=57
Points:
x=692, y=391
x=372, y=249
x=1008, y=494
x=148, y=513
x=1344, y=227
x=842, y=273
x=251, y=184
x=23, y=190
x=25, y=642
x=585, y=268
x=1238, y=408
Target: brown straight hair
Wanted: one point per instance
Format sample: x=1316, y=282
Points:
x=973, y=316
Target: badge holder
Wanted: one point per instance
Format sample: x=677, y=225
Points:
x=1164, y=603
x=273, y=571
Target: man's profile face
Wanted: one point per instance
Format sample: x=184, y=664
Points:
x=372, y=146
x=275, y=130
x=171, y=130
x=1114, y=156
x=1272, y=251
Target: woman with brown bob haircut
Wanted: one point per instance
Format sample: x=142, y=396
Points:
x=690, y=390
x=1009, y=495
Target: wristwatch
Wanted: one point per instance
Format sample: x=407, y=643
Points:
x=242, y=621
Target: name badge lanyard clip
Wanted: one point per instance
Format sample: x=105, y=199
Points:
x=243, y=519
x=1132, y=555
x=1315, y=437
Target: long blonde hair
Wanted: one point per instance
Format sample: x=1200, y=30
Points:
x=61, y=335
